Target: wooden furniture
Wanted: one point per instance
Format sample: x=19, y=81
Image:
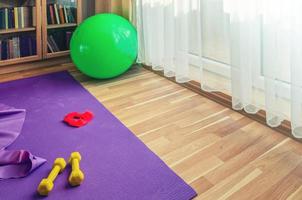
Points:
x=38, y=29
x=33, y=30
x=101, y=6
x=120, y=7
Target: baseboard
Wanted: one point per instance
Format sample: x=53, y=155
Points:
x=226, y=100
x=25, y=70
x=34, y=65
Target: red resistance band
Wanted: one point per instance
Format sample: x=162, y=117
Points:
x=76, y=119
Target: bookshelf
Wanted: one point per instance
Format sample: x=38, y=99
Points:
x=20, y=35
x=61, y=17
x=26, y=29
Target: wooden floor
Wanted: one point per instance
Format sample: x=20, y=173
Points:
x=220, y=153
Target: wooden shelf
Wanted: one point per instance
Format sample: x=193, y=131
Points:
x=58, y=54
x=55, y=26
x=20, y=60
x=17, y=30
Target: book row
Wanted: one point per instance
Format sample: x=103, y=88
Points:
x=17, y=17
x=60, y=14
x=58, y=41
x=16, y=47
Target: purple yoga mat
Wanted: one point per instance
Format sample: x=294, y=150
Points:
x=117, y=165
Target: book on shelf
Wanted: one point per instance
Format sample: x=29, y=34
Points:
x=56, y=11
x=59, y=41
x=60, y=14
x=68, y=38
x=21, y=17
x=52, y=44
x=34, y=16
x=11, y=20
x=65, y=14
x=6, y=18
x=49, y=46
x=51, y=14
x=17, y=17
x=16, y=47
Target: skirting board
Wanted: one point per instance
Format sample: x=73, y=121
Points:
x=24, y=70
x=226, y=100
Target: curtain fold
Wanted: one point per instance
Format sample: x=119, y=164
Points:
x=265, y=39
x=265, y=50
x=163, y=33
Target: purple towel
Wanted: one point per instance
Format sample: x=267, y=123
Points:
x=14, y=163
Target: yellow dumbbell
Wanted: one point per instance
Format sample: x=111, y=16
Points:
x=76, y=176
x=46, y=185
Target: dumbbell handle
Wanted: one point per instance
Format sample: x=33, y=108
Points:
x=54, y=173
x=75, y=164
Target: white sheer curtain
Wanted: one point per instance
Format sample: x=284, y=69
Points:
x=164, y=36
x=264, y=38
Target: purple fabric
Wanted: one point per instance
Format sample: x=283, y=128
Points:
x=15, y=163
x=117, y=165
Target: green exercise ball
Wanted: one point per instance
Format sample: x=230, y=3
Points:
x=104, y=46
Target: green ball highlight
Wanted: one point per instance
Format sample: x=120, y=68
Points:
x=104, y=46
